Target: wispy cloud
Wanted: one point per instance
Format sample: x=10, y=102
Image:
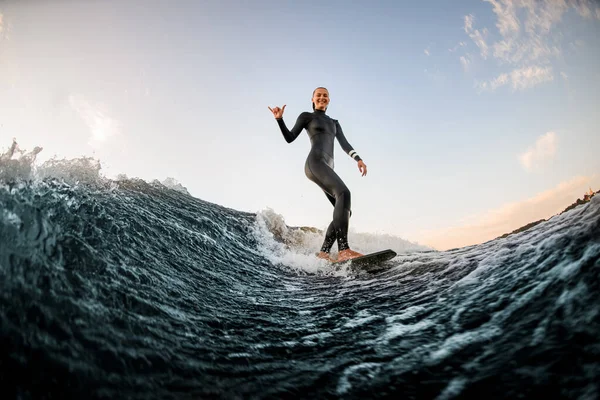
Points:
x=508, y=23
x=465, y=61
x=522, y=51
x=101, y=126
x=583, y=9
x=542, y=15
x=477, y=36
x=526, y=38
x=505, y=219
x=468, y=26
x=520, y=78
x=459, y=45
x=524, y=78
x=543, y=151
x=426, y=51
x=501, y=80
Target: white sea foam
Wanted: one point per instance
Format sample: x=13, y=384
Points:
x=460, y=340
x=318, y=336
x=353, y=323
x=368, y=370
x=173, y=184
x=453, y=388
x=20, y=164
x=11, y=218
x=410, y=312
x=296, y=247
x=395, y=330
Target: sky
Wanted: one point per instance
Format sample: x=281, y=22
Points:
x=474, y=117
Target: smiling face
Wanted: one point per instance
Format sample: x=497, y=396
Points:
x=320, y=99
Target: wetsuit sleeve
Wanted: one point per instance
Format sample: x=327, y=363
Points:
x=290, y=136
x=339, y=134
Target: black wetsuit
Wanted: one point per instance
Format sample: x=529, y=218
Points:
x=322, y=130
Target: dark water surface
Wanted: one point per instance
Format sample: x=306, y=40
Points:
x=125, y=289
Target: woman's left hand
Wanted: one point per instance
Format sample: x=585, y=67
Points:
x=362, y=167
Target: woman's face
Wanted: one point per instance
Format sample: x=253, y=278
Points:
x=321, y=99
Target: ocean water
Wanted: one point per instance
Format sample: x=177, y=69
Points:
x=126, y=289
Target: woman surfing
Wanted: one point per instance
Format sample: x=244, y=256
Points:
x=322, y=130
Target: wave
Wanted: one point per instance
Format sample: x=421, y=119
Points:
x=121, y=288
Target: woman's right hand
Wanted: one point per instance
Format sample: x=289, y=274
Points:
x=277, y=112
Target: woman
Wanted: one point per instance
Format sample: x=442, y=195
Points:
x=319, y=167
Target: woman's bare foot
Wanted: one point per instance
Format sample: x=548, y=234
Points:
x=323, y=255
x=348, y=254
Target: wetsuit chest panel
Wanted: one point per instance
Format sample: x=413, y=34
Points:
x=321, y=124
x=321, y=131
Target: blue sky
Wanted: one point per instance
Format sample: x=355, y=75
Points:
x=473, y=117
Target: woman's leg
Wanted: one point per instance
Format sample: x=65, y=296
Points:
x=339, y=195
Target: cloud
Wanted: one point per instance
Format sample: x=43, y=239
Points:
x=520, y=78
x=508, y=23
x=531, y=76
x=426, y=51
x=465, y=61
x=525, y=39
x=583, y=9
x=522, y=51
x=518, y=45
x=499, y=81
x=460, y=44
x=542, y=15
x=469, y=23
x=477, y=36
x=564, y=75
x=101, y=126
x=494, y=223
x=543, y=151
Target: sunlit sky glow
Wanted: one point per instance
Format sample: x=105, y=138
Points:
x=473, y=117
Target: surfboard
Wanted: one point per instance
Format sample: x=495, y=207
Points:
x=371, y=262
